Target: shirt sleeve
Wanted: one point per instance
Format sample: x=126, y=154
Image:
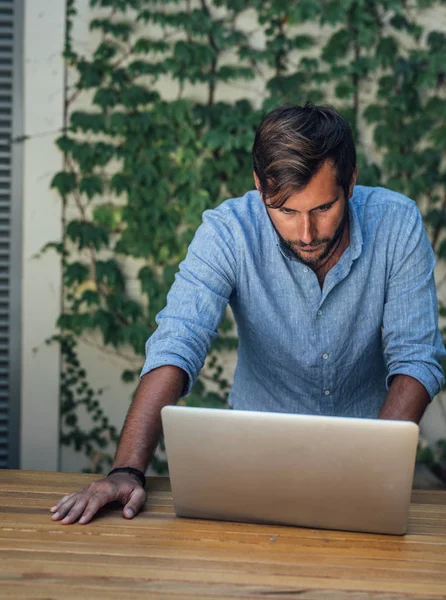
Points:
x=196, y=301
x=412, y=341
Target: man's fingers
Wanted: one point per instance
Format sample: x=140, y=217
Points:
x=77, y=509
x=63, y=508
x=61, y=501
x=92, y=507
x=136, y=501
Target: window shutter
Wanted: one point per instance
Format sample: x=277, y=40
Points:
x=11, y=57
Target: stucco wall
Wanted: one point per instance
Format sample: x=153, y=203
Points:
x=43, y=118
x=43, y=113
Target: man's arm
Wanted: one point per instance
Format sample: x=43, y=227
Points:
x=139, y=438
x=406, y=400
x=175, y=353
x=142, y=427
x=413, y=347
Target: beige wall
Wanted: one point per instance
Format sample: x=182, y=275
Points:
x=43, y=113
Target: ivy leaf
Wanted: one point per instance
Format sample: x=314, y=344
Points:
x=83, y=121
x=64, y=143
x=120, y=183
x=105, y=51
x=64, y=182
x=90, y=298
x=373, y=113
x=75, y=272
x=438, y=137
x=344, y=90
x=91, y=74
x=57, y=246
x=106, y=97
x=108, y=216
x=145, y=45
x=435, y=217
x=386, y=51
x=137, y=95
x=337, y=46
x=119, y=29
x=86, y=234
x=91, y=185
x=111, y=332
x=436, y=40
x=302, y=42
x=109, y=273
x=128, y=376
x=441, y=252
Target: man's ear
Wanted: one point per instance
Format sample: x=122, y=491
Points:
x=257, y=182
x=353, y=183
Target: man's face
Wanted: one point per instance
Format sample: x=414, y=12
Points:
x=312, y=220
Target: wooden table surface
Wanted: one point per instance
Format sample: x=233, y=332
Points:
x=159, y=556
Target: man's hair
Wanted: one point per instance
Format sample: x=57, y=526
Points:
x=291, y=145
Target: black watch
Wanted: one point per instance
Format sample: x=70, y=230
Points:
x=139, y=474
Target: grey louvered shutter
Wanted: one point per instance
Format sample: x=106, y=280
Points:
x=11, y=57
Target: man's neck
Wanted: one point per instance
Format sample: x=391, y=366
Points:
x=338, y=250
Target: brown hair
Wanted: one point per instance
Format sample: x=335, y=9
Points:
x=291, y=145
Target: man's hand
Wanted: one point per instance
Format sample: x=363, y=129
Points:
x=139, y=438
x=83, y=505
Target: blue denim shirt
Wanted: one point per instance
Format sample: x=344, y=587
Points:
x=302, y=349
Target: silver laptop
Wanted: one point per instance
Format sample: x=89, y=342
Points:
x=309, y=471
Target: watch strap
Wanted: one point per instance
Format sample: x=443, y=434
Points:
x=139, y=474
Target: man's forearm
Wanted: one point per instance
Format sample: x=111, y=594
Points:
x=406, y=400
x=142, y=427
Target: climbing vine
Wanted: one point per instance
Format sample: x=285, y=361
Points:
x=141, y=164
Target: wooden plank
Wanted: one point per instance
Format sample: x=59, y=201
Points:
x=47, y=591
x=329, y=566
x=231, y=583
x=156, y=520
x=111, y=545
x=40, y=503
x=429, y=497
x=52, y=480
x=211, y=536
x=53, y=592
x=237, y=572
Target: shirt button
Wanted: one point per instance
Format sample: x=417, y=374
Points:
x=327, y=392
x=325, y=356
x=319, y=312
x=305, y=270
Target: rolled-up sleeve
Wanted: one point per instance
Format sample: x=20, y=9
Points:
x=196, y=302
x=412, y=340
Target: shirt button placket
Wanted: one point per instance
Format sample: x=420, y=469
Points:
x=325, y=356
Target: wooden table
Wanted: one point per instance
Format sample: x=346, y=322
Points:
x=159, y=556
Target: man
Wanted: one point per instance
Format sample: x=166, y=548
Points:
x=331, y=286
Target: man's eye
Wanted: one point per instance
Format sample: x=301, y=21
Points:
x=286, y=211
x=324, y=208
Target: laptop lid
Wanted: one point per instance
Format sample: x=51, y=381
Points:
x=310, y=471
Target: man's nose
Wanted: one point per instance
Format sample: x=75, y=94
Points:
x=306, y=233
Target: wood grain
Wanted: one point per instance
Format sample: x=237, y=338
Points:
x=157, y=555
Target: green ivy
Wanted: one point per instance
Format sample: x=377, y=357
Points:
x=139, y=169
